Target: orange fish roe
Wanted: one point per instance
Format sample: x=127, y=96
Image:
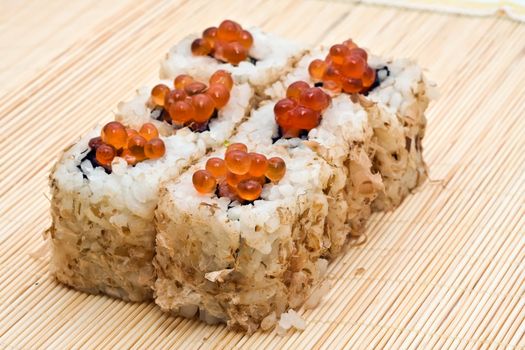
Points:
x=181, y=81
x=216, y=167
x=131, y=145
x=301, y=109
x=229, y=43
x=345, y=68
x=148, y=131
x=236, y=147
x=154, y=148
x=128, y=157
x=237, y=162
x=191, y=103
x=136, y=145
x=225, y=190
x=276, y=169
x=222, y=77
x=219, y=94
x=240, y=176
x=105, y=154
x=203, y=181
x=249, y=189
x=115, y=135
x=158, y=94
x=258, y=164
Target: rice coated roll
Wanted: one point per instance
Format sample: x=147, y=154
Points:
x=104, y=198
x=252, y=55
x=343, y=138
x=394, y=94
x=397, y=115
x=243, y=262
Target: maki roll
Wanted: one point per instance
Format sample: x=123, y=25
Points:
x=341, y=134
x=105, y=191
x=241, y=235
x=242, y=261
x=396, y=109
x=252, y=56
x=394, y=94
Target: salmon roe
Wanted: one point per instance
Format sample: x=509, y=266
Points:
x=216, y=167
x=345, y=68
x=154, y=148
x=240, y=176
x=115, y=135
x=105, y=154
x=301, y=109
x=148, y=131
x=276, y=169
x=229, y=43
x=191, y=103
x=236, y=147
x=131, y=145
x=249, y=189
x=203, y=181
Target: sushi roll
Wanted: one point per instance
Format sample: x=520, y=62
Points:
x=105, y=191
x=344, y=138
x=394, y=94
x=396, y=109
x=238, y=253
x=252, y=56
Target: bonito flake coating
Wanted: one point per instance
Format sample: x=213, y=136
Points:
x=103, y=234
x=273, y=56
x=396, y=111
x=238, y=263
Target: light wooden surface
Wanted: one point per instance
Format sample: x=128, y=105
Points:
x=446, y=270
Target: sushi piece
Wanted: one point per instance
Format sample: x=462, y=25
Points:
x=344, y=138
x=252, y=56
x=246, y=254
x=396, y=109
x=394, y=94
x=104, y=195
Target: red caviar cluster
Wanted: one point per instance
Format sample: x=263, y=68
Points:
x=240, y=175
x=301, y=109
x=191, y=103
x=344, y=68
x=228, y=43
x=134, y=146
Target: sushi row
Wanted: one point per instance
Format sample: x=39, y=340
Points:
x=224, y=190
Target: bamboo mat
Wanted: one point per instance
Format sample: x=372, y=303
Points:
x=445, y=270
